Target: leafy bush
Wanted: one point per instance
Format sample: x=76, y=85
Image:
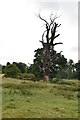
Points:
x=56, y=80
x=11, y=71
x=61, y=81
x=27, y=75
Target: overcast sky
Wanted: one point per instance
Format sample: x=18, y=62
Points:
x=21, y=30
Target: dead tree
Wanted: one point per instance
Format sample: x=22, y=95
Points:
x=49, y=34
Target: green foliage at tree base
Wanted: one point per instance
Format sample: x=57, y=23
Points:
x=61, y=81
x=26, y=75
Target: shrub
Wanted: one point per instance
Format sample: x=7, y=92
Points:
x=11, y=71
x=27, y=75
x=57, y=80
x=61, y=81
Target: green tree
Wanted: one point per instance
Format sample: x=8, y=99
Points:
x=21, y=66
x=11, y=71
x=8, y=63
x=77, y=66
x=70, y=70
x=3, y=67
x=60, y=63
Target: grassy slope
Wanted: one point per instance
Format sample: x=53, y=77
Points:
x=26, y=99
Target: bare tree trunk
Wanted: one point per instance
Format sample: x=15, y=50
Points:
x=46, y=62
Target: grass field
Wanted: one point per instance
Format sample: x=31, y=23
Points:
x=27, y=99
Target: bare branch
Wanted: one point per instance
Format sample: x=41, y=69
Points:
x=57, y=43
x=42, y=19
x=53, y=31
x=56, y=36
x=41, y=42
x=47, y=28
x=61, y=51
x=52, y=20
x=56, y=17
x=43, y=35
x=59, y=25
x=52, y=38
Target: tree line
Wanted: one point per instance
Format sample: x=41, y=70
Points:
x=61, y=68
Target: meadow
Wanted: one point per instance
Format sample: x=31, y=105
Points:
x=27, y=99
